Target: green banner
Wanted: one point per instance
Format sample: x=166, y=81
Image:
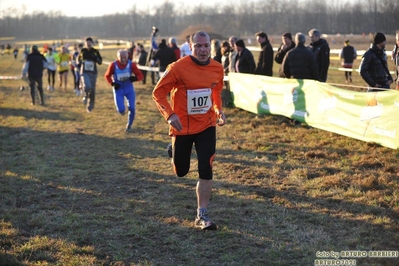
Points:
x=367, y=116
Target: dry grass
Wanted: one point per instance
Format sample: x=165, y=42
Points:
x=75, y=189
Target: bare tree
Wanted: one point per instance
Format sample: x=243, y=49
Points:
x=244, y=18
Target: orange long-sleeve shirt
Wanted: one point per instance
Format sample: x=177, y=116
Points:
x=195, y=94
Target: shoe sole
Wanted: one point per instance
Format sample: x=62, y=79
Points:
x=210, y=227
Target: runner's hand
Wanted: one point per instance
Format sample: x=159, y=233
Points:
x=174, y=121
x=222, y=118
x=116, y=86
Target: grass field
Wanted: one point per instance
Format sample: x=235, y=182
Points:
x=75, y=189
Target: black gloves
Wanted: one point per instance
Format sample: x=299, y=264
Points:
x=116, y=86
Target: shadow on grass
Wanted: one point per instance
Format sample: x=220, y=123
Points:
x=121, y=197
x=43, y=115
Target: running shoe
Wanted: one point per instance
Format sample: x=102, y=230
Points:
x=129, y=129
x=204, y=222
x=170, y=150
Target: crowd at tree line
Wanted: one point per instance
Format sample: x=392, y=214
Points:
x=296, y=60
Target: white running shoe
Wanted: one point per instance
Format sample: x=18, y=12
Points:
x=48, y=87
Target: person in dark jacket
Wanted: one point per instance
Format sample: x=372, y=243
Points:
x=143, y=61
x=33, y=68
x=300, y=63
x=225, y=51
x=265, y=60
x=286, y=45
x=373, y=67
x=348, y=55
x=173, y=45
x=321, y=51
x=165, y=55
x=244, y=61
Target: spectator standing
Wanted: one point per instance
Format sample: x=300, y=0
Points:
x=321, y=50
x=142, y=61
x=15, y=52
x=195, y=84
x=300, y=63
x=395, y=55
x=216, y=53
x=153, y=63
x=33, y=68
x=119, y=76
x=51, y=68
x=89, y=57
x=225, y=51
x=131, y=51
x=286, y=45
x=173, y=45
x=244, y=61
x=8, y=48
x=185, y=47
x=233, y=53
x=348, y=55
x=374, y=67
x=266, y=55
x=25, y=52
x=165, y=55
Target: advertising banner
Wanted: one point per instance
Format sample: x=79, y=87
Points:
x=367, y=116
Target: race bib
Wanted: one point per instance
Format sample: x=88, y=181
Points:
x=199, y=101
x=122, y=76
x=89, y=65
x=64, y=64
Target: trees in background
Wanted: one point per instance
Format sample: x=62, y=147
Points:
x=245, y=18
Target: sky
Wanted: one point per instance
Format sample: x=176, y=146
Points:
x=87, y=8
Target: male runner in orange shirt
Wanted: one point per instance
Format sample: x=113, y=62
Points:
x=195, y=84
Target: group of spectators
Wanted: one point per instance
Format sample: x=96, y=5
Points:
x=302, y=62
x=306, y=62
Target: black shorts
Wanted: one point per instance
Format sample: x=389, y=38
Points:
x=205, y=146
